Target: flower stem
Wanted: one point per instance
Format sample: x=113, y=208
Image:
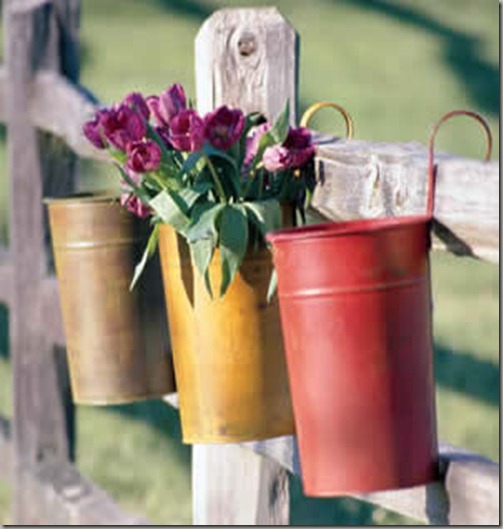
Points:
x=214, y=175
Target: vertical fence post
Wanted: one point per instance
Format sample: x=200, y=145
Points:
x=246, y=58
x=36, y=33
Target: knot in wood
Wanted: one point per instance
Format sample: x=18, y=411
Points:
x=247, y=44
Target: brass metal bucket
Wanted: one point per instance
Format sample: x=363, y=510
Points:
x=117, y=342
x=228, y=353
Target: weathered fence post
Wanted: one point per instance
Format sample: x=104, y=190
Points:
x=36, y=33
x=246, y=58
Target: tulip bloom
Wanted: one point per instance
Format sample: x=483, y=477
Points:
x=223, y=127
x=93, y=130
x=143, y=156
x=296, y=151
x=134, y=205
x=121, y=125
x=163, y=133
x=187, y=131
x=168, y=105
x=252, y=142
x=136, y=102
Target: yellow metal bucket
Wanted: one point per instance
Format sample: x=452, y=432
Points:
x=117, y=344
x=228, y=353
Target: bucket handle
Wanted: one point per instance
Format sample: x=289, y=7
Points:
x=309, y=113
x=431, y=165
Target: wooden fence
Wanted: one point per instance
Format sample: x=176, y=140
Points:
x=247, y=58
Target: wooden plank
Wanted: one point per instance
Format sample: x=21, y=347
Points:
x=61, y=107
x=40, y=423
x=61, y=496
x=245, y=58
x=468, y=492
x=359, y=179
x=51, y=309
x=5, y=450
x=231, y=485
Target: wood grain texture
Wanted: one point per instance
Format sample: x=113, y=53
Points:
x=247, y=58
x=41, y=424
x=233, y=486
x=358, y=179
x=61, y=496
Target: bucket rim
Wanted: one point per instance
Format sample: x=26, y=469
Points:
x=343, y=228
x=85, y=197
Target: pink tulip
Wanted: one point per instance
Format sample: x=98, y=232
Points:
x=187, y=131
x=168, y=105
x=252, y=142
x=93, y=130
x=134, y=205
x=135, y=101
x=122, y=125
x=296, y=151
x=223, y=127
x=143, y=156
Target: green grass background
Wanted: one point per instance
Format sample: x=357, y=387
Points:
x=397, y=66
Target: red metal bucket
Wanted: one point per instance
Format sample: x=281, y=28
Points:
x=356, y=317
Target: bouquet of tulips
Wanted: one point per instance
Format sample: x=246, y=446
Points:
x=218, y=179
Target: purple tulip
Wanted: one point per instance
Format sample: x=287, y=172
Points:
x=168, y=105
x=187, y=131
x=163, y=133
x=296, y=151
x=252, y=142
x=134, y=205
x=93, y=130
x=122, y=125
x=276, y=158
x=143, y=156
x=135, y=101
x=223, y=127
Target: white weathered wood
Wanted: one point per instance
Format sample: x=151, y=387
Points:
x=61, y=107
x=235, y=486
x=51, y=308
x=247, y=58
x=360, y=179
x=60, y=495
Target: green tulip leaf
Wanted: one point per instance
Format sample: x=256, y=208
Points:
x=202, y=252
x=147, y=254
x=204, y=225
x=265, y=214
x=233, y=242
x=169, y=206
x=279, y=131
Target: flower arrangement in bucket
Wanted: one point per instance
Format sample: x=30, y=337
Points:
x=219, y=179
x=213, y=185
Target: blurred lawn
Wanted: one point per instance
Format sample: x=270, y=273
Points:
x=397, y=66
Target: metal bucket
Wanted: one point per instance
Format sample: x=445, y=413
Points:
x=356, y=316
x=228, y=353
x=117, y=344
